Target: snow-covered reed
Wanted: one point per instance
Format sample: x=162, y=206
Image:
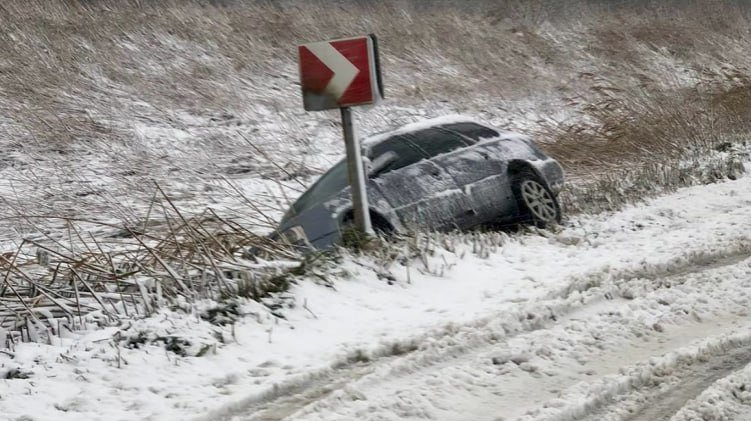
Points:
x=101, y=102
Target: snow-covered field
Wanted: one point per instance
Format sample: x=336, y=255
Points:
x=119, y=122
x=641, y=313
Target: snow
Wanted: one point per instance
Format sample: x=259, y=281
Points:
x=432, y=122
x=727, y=399
x=549, y=325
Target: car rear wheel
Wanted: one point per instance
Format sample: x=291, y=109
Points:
x=537, y=204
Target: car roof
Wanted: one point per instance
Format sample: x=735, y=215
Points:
x=434, y=122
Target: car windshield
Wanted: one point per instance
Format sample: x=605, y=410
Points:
x=329, y=184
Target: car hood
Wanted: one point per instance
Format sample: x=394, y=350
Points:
x=317, y=221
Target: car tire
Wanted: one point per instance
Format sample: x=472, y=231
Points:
x=536, y=202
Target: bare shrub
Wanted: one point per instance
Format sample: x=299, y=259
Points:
x=134, y=270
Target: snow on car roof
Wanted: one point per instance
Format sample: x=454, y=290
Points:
x=436, y=121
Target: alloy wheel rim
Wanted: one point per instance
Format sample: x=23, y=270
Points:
x=538, y=200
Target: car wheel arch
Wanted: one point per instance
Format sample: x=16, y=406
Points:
x=379, y=221
x=517, y=167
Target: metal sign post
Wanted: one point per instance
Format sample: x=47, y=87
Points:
x=341, y=74
x=356, y=173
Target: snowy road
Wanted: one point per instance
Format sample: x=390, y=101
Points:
x=637, y=340
x=597, y=361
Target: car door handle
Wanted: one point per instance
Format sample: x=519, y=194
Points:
x=466, y=213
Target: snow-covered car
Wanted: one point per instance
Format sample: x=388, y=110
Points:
x=439, y=174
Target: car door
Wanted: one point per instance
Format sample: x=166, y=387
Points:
x=472, y=167
x=439, y=146
x=421, y=194
x=480, y=170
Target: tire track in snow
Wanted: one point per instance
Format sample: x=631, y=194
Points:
x=456, y=342
x=659, y=387
x=449, y=388
x=693, y=378
x=726, y=399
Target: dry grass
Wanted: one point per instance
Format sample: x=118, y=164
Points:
x=82, y=70
x=77, y=74
x=166, y=260
x=636, y=144
x=191, y=92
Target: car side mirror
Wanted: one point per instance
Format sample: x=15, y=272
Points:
x=381, y=162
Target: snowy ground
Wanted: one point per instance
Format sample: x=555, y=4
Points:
x=637, y=314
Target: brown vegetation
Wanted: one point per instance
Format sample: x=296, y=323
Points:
x=633, y=97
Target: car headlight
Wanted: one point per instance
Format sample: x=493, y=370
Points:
x=295, y=236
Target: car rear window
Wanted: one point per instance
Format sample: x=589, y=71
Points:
x=472, y=130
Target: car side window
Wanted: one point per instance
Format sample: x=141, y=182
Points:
x=398, y=150
x=472, y=130
x=435, y=141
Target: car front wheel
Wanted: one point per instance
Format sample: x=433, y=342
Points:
x=351, y=237
x=537, y=204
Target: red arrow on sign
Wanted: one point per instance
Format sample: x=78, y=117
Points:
x=339, y=73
